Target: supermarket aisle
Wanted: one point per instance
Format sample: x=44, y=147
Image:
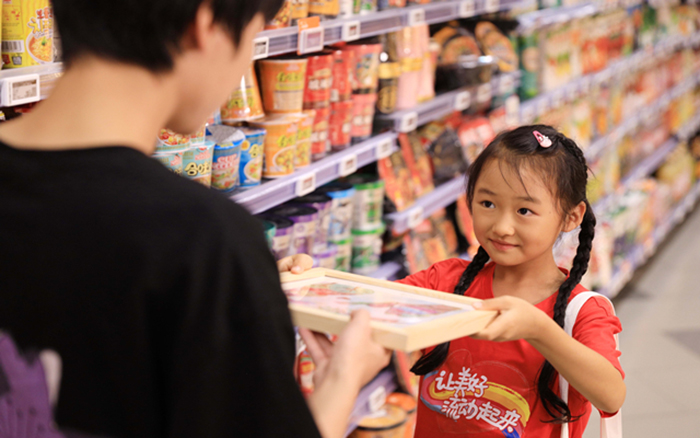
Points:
x=660, y=343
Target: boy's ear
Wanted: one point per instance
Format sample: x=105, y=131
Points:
x=199, y=31
x=575, y=217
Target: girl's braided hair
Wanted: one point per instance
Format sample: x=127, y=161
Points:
x=564, y=169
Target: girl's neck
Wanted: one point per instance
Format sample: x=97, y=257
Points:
x=533, y=281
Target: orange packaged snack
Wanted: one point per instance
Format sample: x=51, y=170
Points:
x=245, y=102
x=283, y=18
x=280, y=145
x=283, y=81
x=303, y=150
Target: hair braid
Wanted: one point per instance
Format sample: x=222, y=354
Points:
x=438, y=355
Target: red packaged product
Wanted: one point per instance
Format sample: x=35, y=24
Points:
x=343, y=63
x=418, y=162
x=364, y=106
x=319, y=78
x=319, y=134
x=398, y=181
x=340, y=125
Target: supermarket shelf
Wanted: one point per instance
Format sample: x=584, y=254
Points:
x=272, y=193
x=643, y=252
x=447, y=103
x=562, y=14
x=539, y=105
x=28, y=84
x=372, y=397
x=690, y=128
x=281, y=41
x=428, y=204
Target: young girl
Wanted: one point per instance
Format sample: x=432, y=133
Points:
x=524, y=190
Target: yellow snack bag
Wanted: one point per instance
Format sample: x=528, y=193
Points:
x=27, y=33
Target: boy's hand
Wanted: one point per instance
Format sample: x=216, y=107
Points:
x=517, y=319
x=296, y=264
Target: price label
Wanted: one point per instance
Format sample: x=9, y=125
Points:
x=377, y=399
x=306, y=185
x=311, y=40
x=409, y=122
x=557, y=99
x=20, y=90
x=492, y=6
x=542, y=107
x=463, y=100
x=261, y=48
x=351, y=31
x=506, y=85
x=416, y=17
x=385, y=148
x=415, y=217
x=467, y=9
x=483, y=93
x=348, y=165
x=513, y=111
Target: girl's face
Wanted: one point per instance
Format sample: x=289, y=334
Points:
x=516, y=222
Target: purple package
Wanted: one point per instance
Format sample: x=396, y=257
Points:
x=284, y=232
x=305, y=221
x=323, y=204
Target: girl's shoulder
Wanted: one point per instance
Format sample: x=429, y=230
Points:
x=442, y=276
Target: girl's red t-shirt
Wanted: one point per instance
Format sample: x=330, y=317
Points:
x=489, y=389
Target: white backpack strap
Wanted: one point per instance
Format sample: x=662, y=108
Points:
x=609, y=427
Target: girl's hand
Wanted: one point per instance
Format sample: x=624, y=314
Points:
x=296, y=264
x=517, y=319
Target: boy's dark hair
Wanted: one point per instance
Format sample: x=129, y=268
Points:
x=145, y=32
x=563, y=167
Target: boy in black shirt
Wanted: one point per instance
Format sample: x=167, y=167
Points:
x=159, y=295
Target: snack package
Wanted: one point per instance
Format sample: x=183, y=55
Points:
x=418, y=163
x=398, y=180
x=27, y=33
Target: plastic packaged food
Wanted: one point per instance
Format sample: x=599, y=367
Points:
x=245, y=102
x=366, y=71
x=323, y=204
x=341, y=210
x=280, y=145
x=497, y=45
x=389, y=73
x=387, y=423
x=252, y=151
x=197, y=163
x=319, y=137
x=303, y=149
x=343, y=256
x=225, y=174
x=362, y=116
x=324, y=8
x=366, y=250
x=171, y=141
x=319, y=78
x=368, y=201
x=284, y=231
x=283, y=18
x=305, y=220
x=300, y=9
x=283, y=81
x=418, y=163
x=171, y=159
x=398, y=181
x=340, y=125
x=343, y=71
x=27, y=33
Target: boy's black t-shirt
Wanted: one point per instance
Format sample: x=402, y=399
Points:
x=159, y=295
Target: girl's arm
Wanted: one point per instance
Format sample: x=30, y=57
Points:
x=593, y=376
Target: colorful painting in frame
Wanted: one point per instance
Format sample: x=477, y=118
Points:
x=404, y=318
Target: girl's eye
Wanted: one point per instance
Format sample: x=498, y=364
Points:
x=524, y=211
x=487, y=204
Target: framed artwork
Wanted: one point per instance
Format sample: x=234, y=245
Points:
x=404, y=318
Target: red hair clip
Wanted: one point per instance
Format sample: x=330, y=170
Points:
x=543, y=140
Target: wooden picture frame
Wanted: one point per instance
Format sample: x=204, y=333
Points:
x=404, y=318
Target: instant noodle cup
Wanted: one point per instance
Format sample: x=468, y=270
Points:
x=343, y=255
x=326, y=259
x=171, y=141
x=340, y=125
x=409, y=405
x=341, y=210
x=283, y=81
x=199, y=137
x=368, y=201
x=366, y=250
x=27, y=33
x=366, y=71
x=343, y=70
x=324, y=8
x=364, y=106
x=244, y=103
x=171, y=159
x=227, y=158
x=389, y=422
x=319, y=79
x=197, y=163
x=300, y=9
x=323, y=204
x=252, y=152
x=283, y=18
x=305, y=219
x=284, y=231
x=319, y=135
x=280, y=145
x=303, y=150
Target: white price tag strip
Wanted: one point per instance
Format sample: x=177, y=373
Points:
x=409, y=122
x=351, y=31
x=348, y=165
x=261, y=48
x=385, y=148
x=20, y=90
x=467, y=9
x=306, y=185
x=416, y=17
x=463, y=100
x=492, y=6
x=415, y=217
x=311, y=40
x=483, y=93
x=377, y=399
